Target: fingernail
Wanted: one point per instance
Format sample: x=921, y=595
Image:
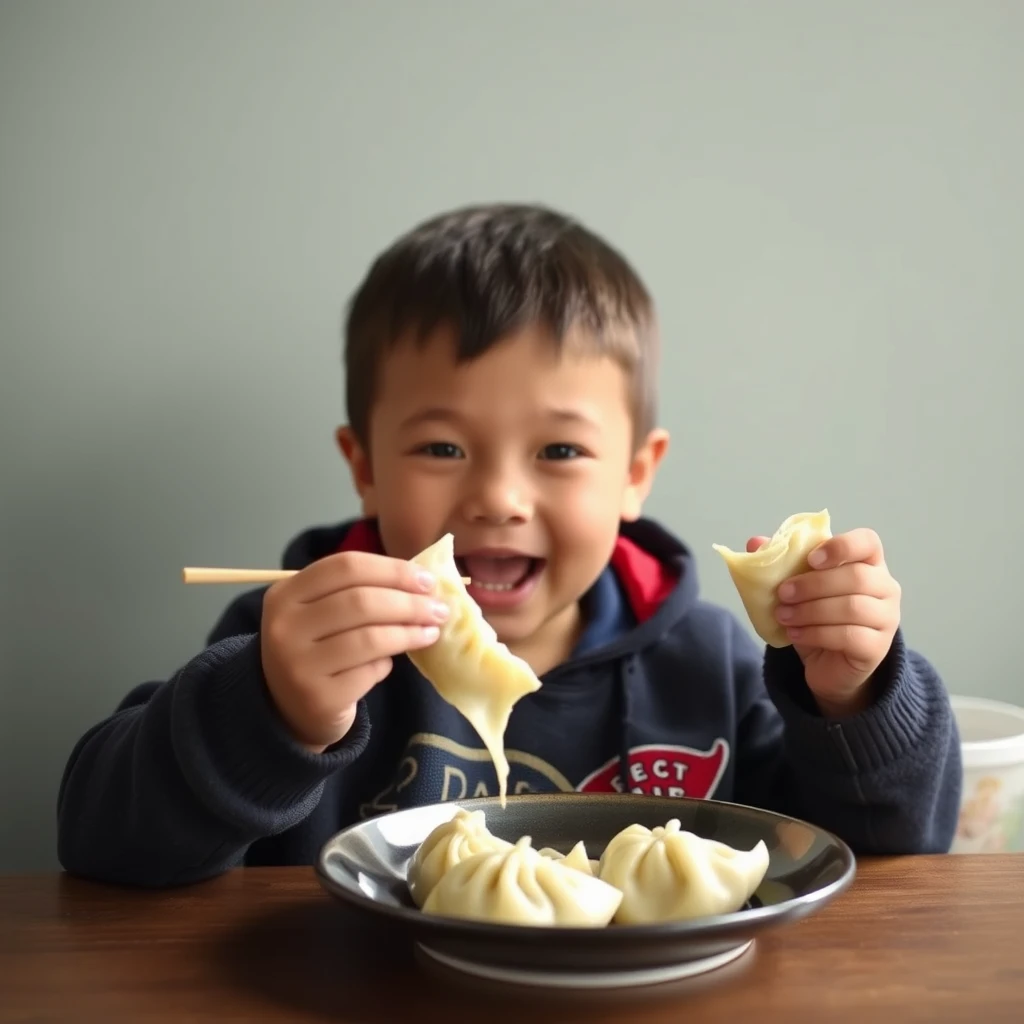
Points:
x=787, y=591
x=783, y=613
x=794, y=632
x=430, y=634
x=439, y=610
x=425, y=580
x=817, y=558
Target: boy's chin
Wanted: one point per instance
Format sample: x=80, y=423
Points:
x=524, y=626
x=511, y=626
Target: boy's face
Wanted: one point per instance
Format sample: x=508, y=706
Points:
x=526, y=455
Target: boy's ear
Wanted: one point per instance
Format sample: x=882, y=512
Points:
x=358, y=460
x=641, y=473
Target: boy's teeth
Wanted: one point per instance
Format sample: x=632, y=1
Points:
x=499, y=574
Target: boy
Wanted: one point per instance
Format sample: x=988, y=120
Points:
x=500, y=376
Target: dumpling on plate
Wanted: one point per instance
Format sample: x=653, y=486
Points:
x=468, y=666
x=666, y=874
x=520, y=886
x=575, y=858
x=758, y=574
x=448, y=844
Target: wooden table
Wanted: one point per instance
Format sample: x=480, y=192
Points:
x=934, y=938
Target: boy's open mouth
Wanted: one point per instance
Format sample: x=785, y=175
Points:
x=499, y=579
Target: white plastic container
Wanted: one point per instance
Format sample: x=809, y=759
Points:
x=992, y=805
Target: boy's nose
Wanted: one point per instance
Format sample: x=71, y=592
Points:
x=498, y=499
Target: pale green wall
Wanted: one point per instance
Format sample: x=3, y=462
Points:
x=826, y=198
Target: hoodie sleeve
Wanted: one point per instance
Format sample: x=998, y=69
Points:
x=887, y=780
x=186, y=774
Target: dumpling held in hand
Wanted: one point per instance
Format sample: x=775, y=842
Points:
x=666, y=874
x=520, y=886
x=758, y=574
x=448, y=844
x=468, y=665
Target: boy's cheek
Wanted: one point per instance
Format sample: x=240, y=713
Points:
x=410, y=520
x=585, y=535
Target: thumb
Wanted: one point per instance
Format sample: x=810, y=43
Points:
x=755, y=542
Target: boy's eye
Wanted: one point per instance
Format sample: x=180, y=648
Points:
x=560, y=452
x=442, y=450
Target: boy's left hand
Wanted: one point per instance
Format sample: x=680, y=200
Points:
x=842, y=617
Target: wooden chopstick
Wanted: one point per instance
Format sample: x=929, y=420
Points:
x=205, y=574
x=202, y=574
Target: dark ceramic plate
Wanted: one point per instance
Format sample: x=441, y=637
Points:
x=365, y=866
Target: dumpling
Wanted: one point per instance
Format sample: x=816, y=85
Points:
x=757, y=574
x=468, y=666
x=575, y=858
x=520, y=886
x=666, y=874
x=448, y=844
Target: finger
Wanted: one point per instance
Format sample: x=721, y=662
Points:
x=756, y=542
x=331, y=703
x=851, y=610
x=359, y=647
x=364, y=678
x=854, y=578
x=369, y=606
x=357, y=569
x=857, y=643
x=861, y=545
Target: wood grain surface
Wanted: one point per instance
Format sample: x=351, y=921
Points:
x=919, y=938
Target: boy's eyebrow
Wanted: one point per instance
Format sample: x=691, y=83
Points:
x=572, y=416
x=433, y=415
x=439, y=414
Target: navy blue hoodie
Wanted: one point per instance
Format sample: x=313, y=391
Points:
x=664, y=694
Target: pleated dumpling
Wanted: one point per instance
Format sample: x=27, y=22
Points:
x=448, y=844
x=575, y=858
x=666, y=874
x=758, y=574
x=468, y=666
x=520, y=886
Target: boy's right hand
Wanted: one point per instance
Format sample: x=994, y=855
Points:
x=329, y=632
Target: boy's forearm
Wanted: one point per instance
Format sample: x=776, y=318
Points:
x=175, y=789
x=887, y=779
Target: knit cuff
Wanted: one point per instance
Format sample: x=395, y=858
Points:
x=229, y=736
x=876, y=737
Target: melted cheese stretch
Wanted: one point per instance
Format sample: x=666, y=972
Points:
x=468, y=666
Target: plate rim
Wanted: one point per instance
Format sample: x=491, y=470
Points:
x=708, y=927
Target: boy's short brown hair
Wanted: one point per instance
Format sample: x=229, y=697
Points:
x=488, y=271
